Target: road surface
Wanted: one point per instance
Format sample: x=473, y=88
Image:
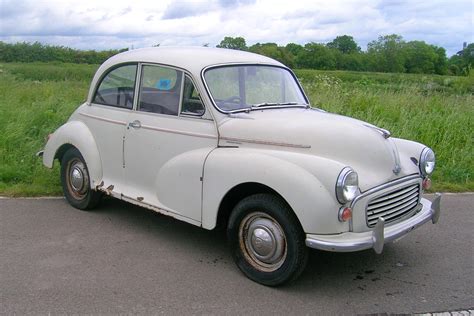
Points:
x=124, y=259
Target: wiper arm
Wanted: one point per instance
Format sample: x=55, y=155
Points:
x=272, y=104
x=258, y=105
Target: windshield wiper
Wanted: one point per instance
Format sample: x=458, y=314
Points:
x=258, y=105
x=272, y=104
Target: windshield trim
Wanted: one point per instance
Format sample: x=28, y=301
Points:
x=248, y=109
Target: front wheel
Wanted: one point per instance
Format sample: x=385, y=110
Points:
x=266, y=240
x=75, y=181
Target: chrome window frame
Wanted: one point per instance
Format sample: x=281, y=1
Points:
x=105, y=74
x=203, y=71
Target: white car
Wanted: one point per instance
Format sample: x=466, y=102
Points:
x=222, y=137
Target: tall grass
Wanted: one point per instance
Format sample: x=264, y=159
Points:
x=35, y=99
x=438, y=111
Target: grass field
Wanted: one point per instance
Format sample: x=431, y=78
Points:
x=436, y=110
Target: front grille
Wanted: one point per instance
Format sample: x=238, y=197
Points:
x=393, y=205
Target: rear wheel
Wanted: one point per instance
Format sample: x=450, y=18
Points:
x=266, y=240
x=76, y=182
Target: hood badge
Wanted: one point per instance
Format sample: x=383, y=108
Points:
x=385, y=133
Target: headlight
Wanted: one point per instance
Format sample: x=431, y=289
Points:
x=347, y=185
x=427, y=161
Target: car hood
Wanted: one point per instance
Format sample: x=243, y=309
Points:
x=348, y=141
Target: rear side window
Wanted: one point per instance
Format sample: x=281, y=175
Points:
x=160, y=90
x=117, y=87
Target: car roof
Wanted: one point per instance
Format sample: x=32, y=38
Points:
x=193, y=59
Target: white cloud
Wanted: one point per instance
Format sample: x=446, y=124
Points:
x=115, y=24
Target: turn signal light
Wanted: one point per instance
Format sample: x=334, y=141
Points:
x=345, y=214
x=426, y=183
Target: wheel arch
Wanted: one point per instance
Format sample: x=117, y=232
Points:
x=238, y=193
x=75, y=134
x=62, y=150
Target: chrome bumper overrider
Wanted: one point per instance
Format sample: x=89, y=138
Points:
x=348, y=242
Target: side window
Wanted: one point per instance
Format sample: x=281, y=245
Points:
x=192, y=104
x=160, y=89
x=117, y=87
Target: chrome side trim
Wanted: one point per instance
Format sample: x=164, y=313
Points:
x=348, y=242
x=172, y=131
x=264, y=142
x=103, y=119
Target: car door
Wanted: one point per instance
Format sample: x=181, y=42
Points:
x=167, y=140
x=107, y=118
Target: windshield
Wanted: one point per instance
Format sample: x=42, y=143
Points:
x=248, y=87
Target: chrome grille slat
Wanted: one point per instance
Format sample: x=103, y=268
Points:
x=393, y=195
x=377, y=209
x=401, y=212
x=394, y=212
x=393, y=205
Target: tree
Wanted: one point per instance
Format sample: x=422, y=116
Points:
x=233, y=43
x=294, y=49
x=441, y=66
x=387, y=54
x=316, y=56
x=462, y=62
x=274, y=51
x=353, y=61
x=32, y=52
x=420, y=57
x=345, y=44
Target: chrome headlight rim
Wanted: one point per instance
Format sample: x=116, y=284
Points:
x=341, y=183
x=425, y=153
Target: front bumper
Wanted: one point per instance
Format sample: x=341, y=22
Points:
x=349, y=242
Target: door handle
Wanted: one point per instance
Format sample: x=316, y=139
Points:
x=135, y=124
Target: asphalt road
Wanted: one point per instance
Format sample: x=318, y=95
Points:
x=124, y=259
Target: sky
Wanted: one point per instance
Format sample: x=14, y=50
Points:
x=96, y=24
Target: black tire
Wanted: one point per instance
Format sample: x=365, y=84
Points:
x=79, y=195
x=266, y=240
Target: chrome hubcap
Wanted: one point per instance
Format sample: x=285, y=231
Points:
x=262, y=241
x=78, y=181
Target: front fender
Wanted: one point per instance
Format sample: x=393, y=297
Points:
x=77, y=134
x=409, y=150
x=306, y=182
